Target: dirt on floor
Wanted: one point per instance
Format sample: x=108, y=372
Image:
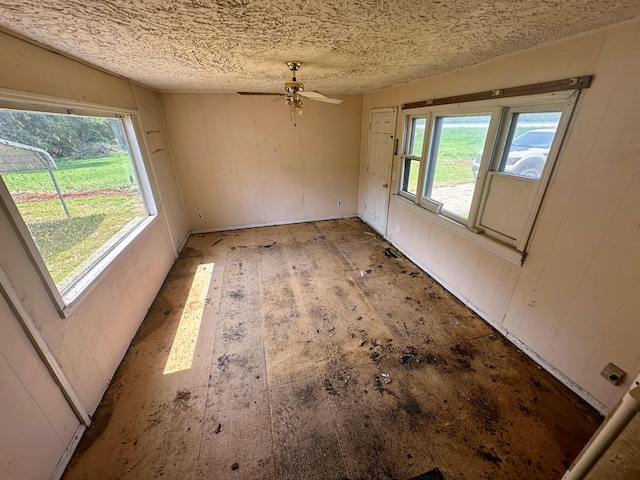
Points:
x=319, y=356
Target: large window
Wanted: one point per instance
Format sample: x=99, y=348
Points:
x=484, y=165
x=455, y=142
x=75, y=184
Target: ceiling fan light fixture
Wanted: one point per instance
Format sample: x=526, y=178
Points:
x=294, y=92
x=296, y=107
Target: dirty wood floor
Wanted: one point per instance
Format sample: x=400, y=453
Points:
x=303, y=352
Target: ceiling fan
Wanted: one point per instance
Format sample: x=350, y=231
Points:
x=295, y=92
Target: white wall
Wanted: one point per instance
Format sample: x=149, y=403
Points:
x=90, y=343
x=576, y=300
x=240, y=161
x=36, y=422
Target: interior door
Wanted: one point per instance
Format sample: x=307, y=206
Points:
x=382, y=128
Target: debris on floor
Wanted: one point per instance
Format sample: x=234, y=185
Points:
x=377, y=381
x=364, y=338
x=313, y=369
x=489, y=456
x=379, y=348
x=390, y=253
x=409, y=355
x=434, y=474
x=222, y=361
x=182, y=395
x=328, y=387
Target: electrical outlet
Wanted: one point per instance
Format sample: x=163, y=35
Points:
x=199, y=214
x=339, y=203
x=397, y=228
x=613, y=373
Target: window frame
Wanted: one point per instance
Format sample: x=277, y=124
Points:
x=508, y=130
x=502, y=112
x=566, y=108
x=406, y=156
x=65, y=301
x=452, y=111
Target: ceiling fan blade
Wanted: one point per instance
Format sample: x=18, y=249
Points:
x=320, y=97
x=259, y=93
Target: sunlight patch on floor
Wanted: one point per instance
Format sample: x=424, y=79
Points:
x=184, y=343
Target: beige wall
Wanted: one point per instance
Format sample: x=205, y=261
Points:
x=576, y=300
x=35, y=421
x=240, y=161
x=91, y=341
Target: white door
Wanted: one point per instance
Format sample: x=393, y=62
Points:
x=382, y=128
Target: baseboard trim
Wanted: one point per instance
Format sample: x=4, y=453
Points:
x=68, y=453
x=183, y=243
x=573, y=386
x=273, y=224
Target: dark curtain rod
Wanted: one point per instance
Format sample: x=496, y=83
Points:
x=574, y=83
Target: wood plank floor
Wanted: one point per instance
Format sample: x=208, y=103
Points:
x=303, y=352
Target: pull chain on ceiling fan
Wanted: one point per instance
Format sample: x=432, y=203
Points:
x=295, y=92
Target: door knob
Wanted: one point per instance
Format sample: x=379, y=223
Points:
x=385, y=185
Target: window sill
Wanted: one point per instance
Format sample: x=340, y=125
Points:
x=505, y=251
x=73, y=295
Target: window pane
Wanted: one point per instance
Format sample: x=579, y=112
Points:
x=416, y=139
x=410, y=176
x=454, y=160
x=529, y=141
x=73, y=182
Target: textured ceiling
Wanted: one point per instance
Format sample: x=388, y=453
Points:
x=347, y=46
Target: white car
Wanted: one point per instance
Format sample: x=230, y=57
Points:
x=527, y=155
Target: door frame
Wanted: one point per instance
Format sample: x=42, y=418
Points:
x=373, y=111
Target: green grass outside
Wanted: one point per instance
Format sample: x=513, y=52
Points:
x=458, y=147
x=65, y=243
x=113, y=172
x=96, y=216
